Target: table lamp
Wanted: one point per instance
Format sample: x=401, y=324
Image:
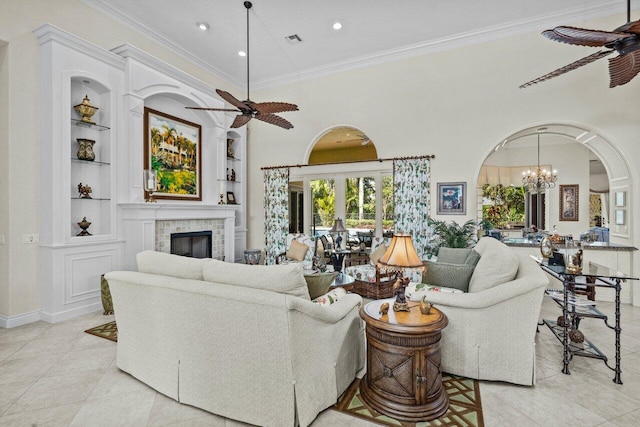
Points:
x=338, y=227
x=400, y=255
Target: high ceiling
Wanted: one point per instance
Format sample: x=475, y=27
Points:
x=373, y=30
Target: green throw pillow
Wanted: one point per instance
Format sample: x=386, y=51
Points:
x=472, y=258
x=319, y=283
x=447, y=275
x=453, y=255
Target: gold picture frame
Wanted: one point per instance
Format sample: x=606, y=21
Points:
x=569, y=202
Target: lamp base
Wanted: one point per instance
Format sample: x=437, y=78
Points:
x=400, y=306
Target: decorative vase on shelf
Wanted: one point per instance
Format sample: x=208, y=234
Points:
x=85, y=151
x=84, y=224
x=86, y=110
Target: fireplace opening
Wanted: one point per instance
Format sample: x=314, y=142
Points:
x=195, y=244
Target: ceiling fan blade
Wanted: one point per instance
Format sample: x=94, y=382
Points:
x=274, y=120
x=231, y=99
x=583, y=37
x=213, y=109
x=274, y=107
x=240, y=120
x=577, y=64
x=624, y=68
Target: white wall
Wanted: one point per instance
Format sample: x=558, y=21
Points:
x=19, y=60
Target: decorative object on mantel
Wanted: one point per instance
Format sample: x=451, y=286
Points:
x=625, y=40
x=233, y=174
x=150, y=180
x=85, y=191
x=231, y=198
x=86, y=110
x=400, y=255
x=230, y=148
x=85, y=150
x=84, y=224
x=228, y=174
x=221, y=201
x=253, y=110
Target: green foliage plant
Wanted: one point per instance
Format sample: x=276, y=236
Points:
x=451, y=235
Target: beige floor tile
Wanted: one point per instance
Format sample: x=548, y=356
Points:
x=45, y=346
x=130, y=409
x=497, y=413
x=115, y=382
x=168, y=411
x=24, y=332
x=11, y=392
x=58, y=416
x=331, y=418
x=10, y=347
x=55, y=391
x=92, y=359
x=626, y=420
x=29, y=368
x=206, y=421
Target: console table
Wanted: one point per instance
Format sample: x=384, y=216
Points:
x=403, y=378
x=574, y=310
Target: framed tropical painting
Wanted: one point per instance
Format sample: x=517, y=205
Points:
x=451, y=198
x=172, y=148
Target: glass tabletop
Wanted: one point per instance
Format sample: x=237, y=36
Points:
x=589, y=269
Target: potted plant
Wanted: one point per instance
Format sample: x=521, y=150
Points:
x=451, y=235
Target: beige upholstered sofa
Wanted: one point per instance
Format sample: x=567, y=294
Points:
x=492, y=327
x=241, y=341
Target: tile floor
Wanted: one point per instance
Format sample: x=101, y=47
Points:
x=56, y=375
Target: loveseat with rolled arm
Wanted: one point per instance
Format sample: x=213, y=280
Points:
x=241, y=341
x=492, y=317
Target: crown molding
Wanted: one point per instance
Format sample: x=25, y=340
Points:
x=140, y=28
x=446, y=43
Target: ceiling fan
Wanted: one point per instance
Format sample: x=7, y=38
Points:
x=625, y=40
x=263, y=111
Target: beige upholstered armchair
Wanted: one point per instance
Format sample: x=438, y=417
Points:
x=300, y=248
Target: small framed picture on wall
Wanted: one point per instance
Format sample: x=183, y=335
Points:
x=231, y=198
x=451, y=198
x=569, y=202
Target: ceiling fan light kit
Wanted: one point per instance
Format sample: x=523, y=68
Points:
x=263, y=111
x=625, y=40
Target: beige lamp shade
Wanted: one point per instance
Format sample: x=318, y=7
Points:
x=401, y=254
x=338, y=226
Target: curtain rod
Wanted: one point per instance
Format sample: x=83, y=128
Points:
x=428, y=156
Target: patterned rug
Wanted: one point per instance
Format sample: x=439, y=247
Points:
x=108, y=331
x=465, y=407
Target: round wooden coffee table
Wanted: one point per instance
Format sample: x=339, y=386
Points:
x=403, y=378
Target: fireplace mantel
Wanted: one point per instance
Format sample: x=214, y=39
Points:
x=138, y=224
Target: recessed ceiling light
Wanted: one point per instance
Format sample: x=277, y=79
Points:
x=242, y=53
x=203, y=26
x=337, y=26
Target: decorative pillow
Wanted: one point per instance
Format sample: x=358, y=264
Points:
x=297, y=250
x=170, y=265
x=497, y=265
x=415, y=291
x=330, y=297
x=377, y=254
x=318, y=283
x=284, y=279
x=472, y=258
x=453, y=255
x=449, y=275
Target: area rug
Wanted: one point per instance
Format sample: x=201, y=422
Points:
x=465, y=407
x=108, y=331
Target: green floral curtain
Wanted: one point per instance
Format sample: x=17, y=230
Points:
x=276, y=212
x=411, y=200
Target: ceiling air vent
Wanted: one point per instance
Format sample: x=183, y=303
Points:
x=293, y=39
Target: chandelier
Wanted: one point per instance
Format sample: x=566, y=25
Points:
x=540, y=178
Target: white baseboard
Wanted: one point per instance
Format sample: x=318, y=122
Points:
x=64, y=315
x=34, y=316
x=19, y=320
